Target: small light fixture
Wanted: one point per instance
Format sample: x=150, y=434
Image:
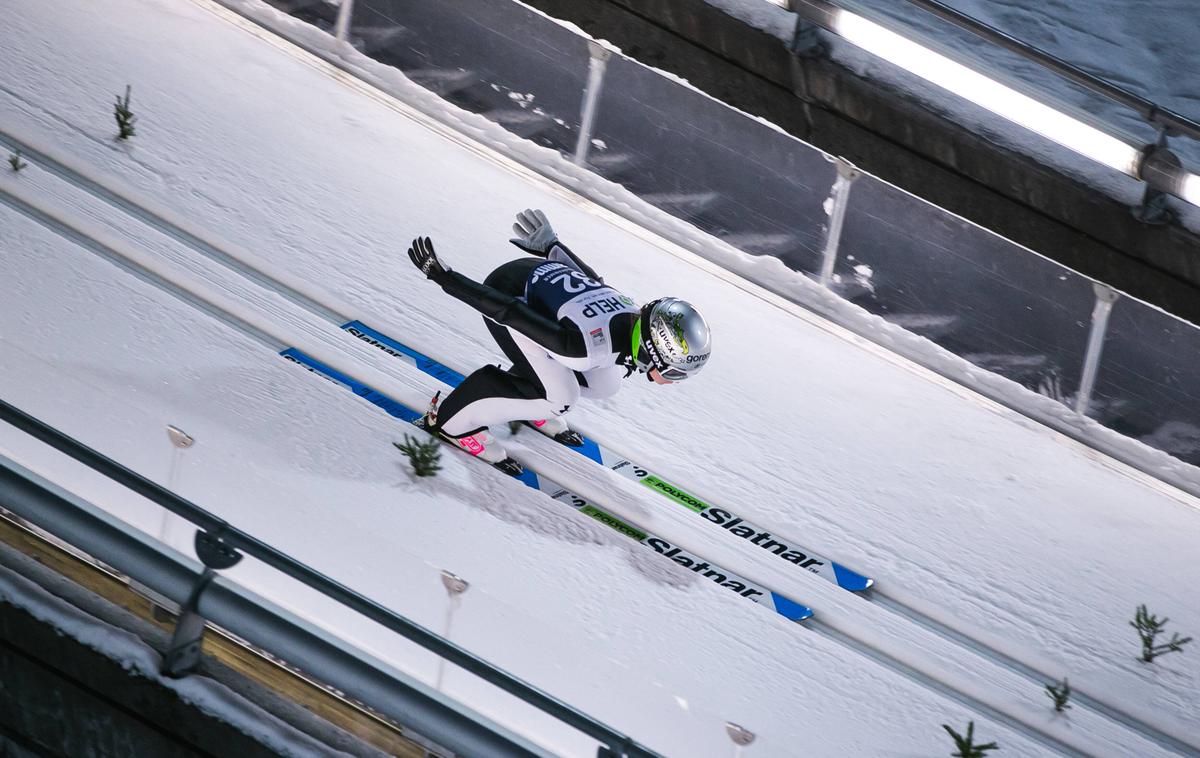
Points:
x=179, y=438
x=740, y=735
x=455, y=585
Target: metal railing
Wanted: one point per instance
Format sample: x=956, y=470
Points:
x=218, y=544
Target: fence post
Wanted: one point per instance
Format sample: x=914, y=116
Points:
x=1159, y=169
x=1105, y=297
x=840, y=197
x=341, y=28
x=597, y=62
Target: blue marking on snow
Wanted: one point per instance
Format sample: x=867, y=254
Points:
x=851, y=580
x=373, y=396
x=424, y=362
x=790, y=609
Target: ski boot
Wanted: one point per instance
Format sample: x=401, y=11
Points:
x=481, y=444
x=556, y=429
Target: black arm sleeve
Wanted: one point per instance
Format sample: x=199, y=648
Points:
x=559, y=251
x=515, y=314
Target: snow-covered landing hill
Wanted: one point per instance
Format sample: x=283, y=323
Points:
x=954, y=505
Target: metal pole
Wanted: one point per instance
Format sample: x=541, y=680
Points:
x=1105, y=297
x=591, y=95
x=1163, y=172
x=342, y=28
x=840, y=197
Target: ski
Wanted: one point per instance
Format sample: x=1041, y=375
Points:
x=786, y=549
x=756, y=593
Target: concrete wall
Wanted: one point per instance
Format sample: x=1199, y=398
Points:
x=903, y=143
x=59, y=697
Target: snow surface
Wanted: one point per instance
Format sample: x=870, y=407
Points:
x=965, y=509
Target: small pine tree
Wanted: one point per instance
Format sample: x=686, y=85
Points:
x=125, y=117
x=1148, y=628
x=425, y=457
x=1060, y=693
x=966, y=745
x=15, y=161
x=514, y=427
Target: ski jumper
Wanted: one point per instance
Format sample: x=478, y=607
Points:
x=554, y=319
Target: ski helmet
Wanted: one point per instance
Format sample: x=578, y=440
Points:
x=671, y=336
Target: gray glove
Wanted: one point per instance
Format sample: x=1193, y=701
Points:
x=534, y=233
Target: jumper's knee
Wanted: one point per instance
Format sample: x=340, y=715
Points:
x=562, y=394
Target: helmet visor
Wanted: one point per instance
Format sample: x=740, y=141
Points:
x=673, y=374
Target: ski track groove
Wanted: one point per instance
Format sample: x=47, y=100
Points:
x=208, y=250
x=1077, y=698
x=944, y=689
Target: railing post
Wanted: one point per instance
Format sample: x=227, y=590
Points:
x=1160, y=170
x=341, y=29
x=840, y=199
x=597, y=62
x=183, y=654
x=806, y=35
x=1105, y=297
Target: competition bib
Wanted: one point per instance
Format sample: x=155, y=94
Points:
x=560, y=291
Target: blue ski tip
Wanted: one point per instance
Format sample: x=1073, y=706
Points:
x=851, y=580
x=790, y=609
